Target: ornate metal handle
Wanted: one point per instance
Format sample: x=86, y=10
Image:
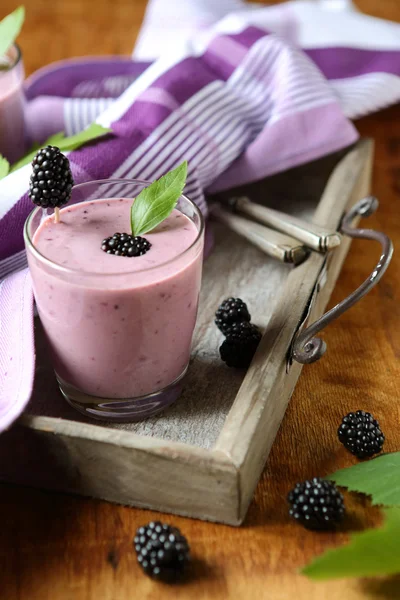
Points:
x=307, y=348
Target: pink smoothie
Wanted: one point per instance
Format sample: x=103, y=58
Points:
x=118, y=327
x=12, y=128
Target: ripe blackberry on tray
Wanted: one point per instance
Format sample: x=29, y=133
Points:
x=240, y=345
x=124, y=244
x=360, y=433
x=232, y=310
x=316, y=504
x=162, y=551
x=51, y=180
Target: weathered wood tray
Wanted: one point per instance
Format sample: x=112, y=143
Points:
x=203, y=456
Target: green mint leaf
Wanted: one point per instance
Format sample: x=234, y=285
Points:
x=73, y=142
x=55, y=139
x=4, y=167
x=157, y=201
x=372, y=552
x=10, y=27
x=378, y=478
x=92, y=132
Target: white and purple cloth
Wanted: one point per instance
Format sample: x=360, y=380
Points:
x=240, y=91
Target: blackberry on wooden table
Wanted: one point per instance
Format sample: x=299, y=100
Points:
x=316, y=504
x=361, y=434
x=162, y=551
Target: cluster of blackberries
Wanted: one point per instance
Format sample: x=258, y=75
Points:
x=241, y=336
x=318, y=504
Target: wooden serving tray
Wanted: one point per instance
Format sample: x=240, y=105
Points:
x=202, y=457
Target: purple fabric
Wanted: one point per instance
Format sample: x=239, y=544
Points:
x=188, y=77
x=217, y=58
x=254, y=161
x=159, y=96
x=17, y=349
x=142, y=119
x=13, y=222
x=248, y=36
x=65, y=76
x=340, y=63
x=39, y=128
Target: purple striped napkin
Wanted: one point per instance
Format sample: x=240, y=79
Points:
x=237, y=98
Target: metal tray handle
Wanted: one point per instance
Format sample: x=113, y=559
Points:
x=307, y=348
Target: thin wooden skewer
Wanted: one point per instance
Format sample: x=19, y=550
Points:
x=56, y=215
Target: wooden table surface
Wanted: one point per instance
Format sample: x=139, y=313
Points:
x=59, y=547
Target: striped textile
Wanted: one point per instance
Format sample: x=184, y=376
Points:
x=225, y=104
x=239, y=95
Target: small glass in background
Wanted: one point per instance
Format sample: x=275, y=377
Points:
x=12, y=125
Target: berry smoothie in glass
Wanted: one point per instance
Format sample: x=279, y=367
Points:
x=118, y=309
x=12, y=125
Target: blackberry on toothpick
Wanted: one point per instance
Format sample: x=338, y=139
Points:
x=51, y=180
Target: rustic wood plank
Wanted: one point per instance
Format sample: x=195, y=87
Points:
x=121, y=467
x=263, y=397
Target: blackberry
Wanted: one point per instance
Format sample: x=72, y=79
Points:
x=360, y=433
x=240, y=344
x=124, y=244
x=51, y=180
x=316, y=504
x=232, y=310
x=162, y=551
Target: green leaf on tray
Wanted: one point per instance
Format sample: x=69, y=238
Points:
x=378, y=478
x=72, y=142
x=372, y=552
x=4, y=167
x=10, y=27
x=158, y=200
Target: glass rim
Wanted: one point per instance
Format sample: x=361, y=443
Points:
x=17, y=60
x=31, y=247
